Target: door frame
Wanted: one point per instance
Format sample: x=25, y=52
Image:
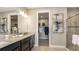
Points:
x=43, y=11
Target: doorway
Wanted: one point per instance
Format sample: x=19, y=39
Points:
x=43, y=28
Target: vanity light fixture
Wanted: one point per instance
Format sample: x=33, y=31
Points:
x=23, y=14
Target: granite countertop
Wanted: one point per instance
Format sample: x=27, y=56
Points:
x=10, y=39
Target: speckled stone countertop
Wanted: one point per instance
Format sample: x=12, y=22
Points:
x=10, y=39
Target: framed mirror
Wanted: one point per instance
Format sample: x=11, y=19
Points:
x=14, y=24
x=3, y=25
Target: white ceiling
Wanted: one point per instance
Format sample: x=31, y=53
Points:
x=4, y=9
x=36, y=7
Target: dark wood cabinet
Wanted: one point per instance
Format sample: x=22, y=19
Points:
x=16, y=49
x=28, y=43
x=32, y=41
x=12, y=47
x=25, y=44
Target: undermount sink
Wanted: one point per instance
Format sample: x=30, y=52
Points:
x=20, y=35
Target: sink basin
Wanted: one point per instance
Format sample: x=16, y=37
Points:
x=20, y=35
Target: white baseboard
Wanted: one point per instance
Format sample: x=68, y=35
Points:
x=35, y=45
x=58, y=47
x=67, y=49
x=54, y=46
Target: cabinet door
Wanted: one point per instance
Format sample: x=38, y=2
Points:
x=27, y=43
x=32, y=41
x=16, y=49
x=25, y=46
x=26, y=49
x=33, y=38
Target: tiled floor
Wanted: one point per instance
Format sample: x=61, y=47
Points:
x=46, y=48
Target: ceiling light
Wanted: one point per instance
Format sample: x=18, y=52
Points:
x=23, y=14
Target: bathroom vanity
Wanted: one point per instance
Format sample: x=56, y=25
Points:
x=15, y=39
x=18, y=43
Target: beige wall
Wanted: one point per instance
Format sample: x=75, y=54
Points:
x=57, y=39
x=30, y=24
x=24, y=23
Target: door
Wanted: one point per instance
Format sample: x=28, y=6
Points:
x=43, y=28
